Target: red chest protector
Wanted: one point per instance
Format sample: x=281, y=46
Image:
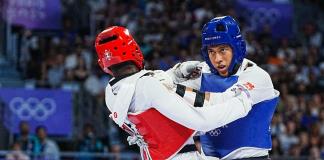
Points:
x=157, y=136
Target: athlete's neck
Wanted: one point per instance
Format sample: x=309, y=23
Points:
x=125, y=72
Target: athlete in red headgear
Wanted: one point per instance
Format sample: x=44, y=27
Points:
x=159, y=116
x=114, y=46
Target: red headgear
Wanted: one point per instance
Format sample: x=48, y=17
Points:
x=115, y=45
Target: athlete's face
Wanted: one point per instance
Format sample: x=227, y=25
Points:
x=221, y=56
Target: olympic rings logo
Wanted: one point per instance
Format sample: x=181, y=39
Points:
x=215, y=132
x=263, y=16
x=32, y=108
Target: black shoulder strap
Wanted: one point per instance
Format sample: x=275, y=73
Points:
x=147, y=74
x=114, y=81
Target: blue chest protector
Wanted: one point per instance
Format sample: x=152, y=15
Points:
x=250, y=131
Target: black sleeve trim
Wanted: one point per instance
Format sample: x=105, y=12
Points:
x=200, y=98
x=181, y=89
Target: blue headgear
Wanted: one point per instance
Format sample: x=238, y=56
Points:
x=223, y=30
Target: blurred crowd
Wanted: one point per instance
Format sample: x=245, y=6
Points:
x=27, y=145
x=168, y=32
x=40, y=146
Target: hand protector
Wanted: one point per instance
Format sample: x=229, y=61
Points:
x=185, y=71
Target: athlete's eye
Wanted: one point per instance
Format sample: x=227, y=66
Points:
x=223, y=50
x=211, y=52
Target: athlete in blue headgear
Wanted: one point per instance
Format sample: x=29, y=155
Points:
x=224, y=49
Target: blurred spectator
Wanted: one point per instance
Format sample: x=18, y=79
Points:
x=55, y=73
x=31, y=56
x=17, y=153
x=27, y=141
x=289, y=139
x=285, y=52
x=315, y=154
x=80, y=71
x=322, y=147
x=277, y=126
x=312, y=36
x=89, y=142
x=71, y=61
x=315, y=141
x=48, y=148
x=294, y=151
x=276, y=147
x=320, y=79
x=114, y=137
x=93, y=85
x=304, y=143
x=321, y=121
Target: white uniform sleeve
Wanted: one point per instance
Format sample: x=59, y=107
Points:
x=259, y=83
x=254, y=79
x=202, y=119
x=192, y=83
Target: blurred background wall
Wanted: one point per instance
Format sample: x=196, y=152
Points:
x=52, y=87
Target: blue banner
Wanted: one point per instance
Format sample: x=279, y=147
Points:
x=34, y=14
x=259, y=13
x=50, y=108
